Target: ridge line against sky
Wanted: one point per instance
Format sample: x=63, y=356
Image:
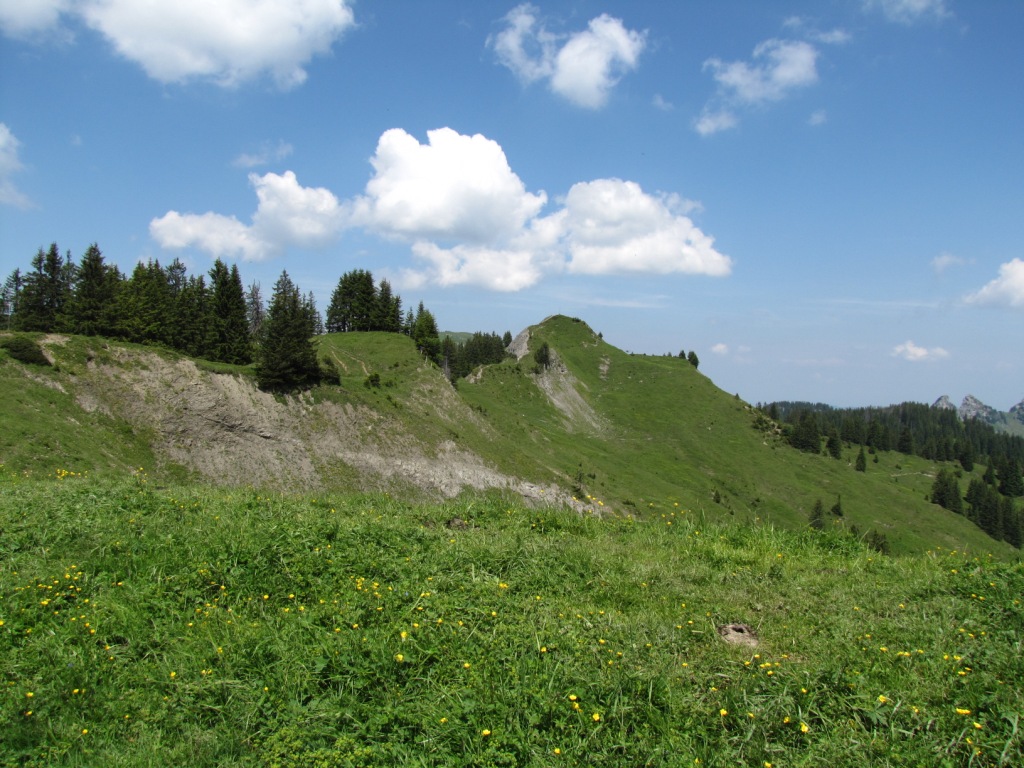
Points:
x=822, y=199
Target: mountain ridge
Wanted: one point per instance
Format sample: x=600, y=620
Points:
x=596, y=429
x=1011, y=421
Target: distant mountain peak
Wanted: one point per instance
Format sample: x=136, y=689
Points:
x=1017, y=412
x=973, y=408
x=944, y=402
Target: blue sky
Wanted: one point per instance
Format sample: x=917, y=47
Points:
x=823, y=199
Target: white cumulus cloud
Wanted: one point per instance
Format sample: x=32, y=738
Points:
x=468, y=219
x=453, y=188
x=582, y=67
x=720, y=349
x=908, y=350
x=614, y=227
x=288, y=215
x=10, y=163
x=1007, y=290
x=777, y=68
x=226, y=42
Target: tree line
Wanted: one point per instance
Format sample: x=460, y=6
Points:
x=209, y=316
x=935, y=434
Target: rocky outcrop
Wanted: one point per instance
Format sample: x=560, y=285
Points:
x=973, y=408
x=945, y=403
x=1017, y=412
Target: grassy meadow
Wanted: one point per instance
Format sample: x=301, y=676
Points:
x=148, y=623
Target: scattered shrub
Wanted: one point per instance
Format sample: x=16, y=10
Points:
x=25, y=350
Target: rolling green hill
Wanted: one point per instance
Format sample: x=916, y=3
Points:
x=598, y=429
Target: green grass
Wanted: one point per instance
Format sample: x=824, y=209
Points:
x=145, y=624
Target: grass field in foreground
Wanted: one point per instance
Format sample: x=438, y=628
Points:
x=146, y=625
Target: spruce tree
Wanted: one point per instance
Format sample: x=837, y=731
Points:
x=833, y=444
x=10, y=294
x=231, y=339
x=425, y=334
x=806, y=434
x=862, y=461
x=1011, y=482
x=817, y=519
x=45, y=293
x=90, y=309
x=287, y=358
x=837, y=508
x=255, y=312
x=946, y=492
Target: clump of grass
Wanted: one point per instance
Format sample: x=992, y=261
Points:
x=203, y=627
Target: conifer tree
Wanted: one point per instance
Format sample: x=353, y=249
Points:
x=837, y=508
x=817, y=519
x=862, y=461
x=9, y=297
x=425, y=334
x=1011, y=482
x=287, y=357
x=833, y=444
x=91, y=305
x=255, y=312
x=316, y=321
x=806, y=435
x=946, y=492
x=143, y=306
x=197, y=323
x=387, y=309
x=45, y=293
x=231, y=339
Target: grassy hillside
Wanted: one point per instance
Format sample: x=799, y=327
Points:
x=664, y=430
x=145, y=624
x=617, y=431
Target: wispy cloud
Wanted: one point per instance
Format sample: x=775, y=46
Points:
x=909, y=11
x=265, y=154
x=661, y=103
x=945, y=260
x=581, y=67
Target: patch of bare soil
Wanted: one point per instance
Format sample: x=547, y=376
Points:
x=739, y=634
